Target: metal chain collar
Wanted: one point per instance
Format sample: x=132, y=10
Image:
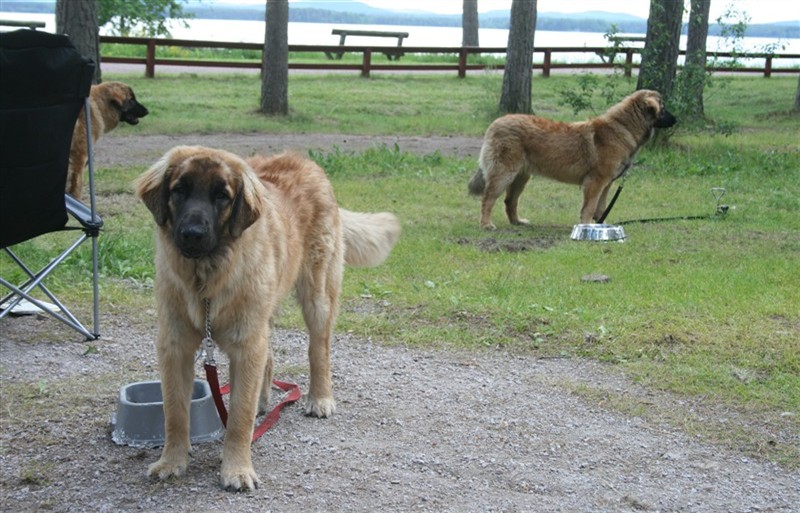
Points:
x=207, y=344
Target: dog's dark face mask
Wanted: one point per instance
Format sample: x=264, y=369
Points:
x=207, y=208
x=665, y=119
x=131, y=110
x=201, y=204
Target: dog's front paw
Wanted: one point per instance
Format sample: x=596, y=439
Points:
x=489, y=227
x=523, y=222
x=239, y=478
x=165, y=468
x=319, y=407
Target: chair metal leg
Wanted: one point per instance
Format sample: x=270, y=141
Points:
x=95, y=290
x=71, y=321
x=35, y=280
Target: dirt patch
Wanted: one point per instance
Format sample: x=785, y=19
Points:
x=492, y=245
x=415, y=429
x=122, y=149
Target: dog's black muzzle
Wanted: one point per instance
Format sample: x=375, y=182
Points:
x=132, y=111
x=195, y=235
x=665, y=120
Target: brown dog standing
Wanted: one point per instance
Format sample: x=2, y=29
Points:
x=590, y=153
x=109, y=103
x=241, y=235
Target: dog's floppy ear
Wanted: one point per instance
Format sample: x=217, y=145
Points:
x=246, y=205
x=652, y=103
x=152, y=187
x=655, y=110
x=128, y=99
x=116, y=93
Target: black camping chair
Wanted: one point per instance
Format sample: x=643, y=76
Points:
x=44, y=83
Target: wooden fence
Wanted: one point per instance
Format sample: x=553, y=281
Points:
x=151, y=60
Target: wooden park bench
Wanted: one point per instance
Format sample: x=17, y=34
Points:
x=390, y=54
x=617, y=41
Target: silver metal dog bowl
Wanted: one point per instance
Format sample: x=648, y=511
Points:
x=598, y=232
x=139, y=421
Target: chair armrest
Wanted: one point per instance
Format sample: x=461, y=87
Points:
x=82, y=213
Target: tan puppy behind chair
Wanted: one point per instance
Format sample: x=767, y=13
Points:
x=242, y=235
x=109, y=104
x=590, y=153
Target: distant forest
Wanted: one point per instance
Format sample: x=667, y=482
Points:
x=543, y=22
x=490, y=20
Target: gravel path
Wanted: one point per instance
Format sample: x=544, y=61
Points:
x=118, y=149
x=415, y=429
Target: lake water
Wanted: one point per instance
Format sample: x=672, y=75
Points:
x=320, y=34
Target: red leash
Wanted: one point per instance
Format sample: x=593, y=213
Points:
x=207, y=345
x=272, y=417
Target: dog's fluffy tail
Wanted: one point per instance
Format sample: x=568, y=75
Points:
x=368, y=238
x=478, y=183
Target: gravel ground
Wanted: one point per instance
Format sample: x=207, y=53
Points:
x=118, y=149
x=415, y=429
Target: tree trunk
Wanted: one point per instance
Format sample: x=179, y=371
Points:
x=516, y=93
x=796, y=108
x=275, y=70
x=78, y=20
x=469, y=23
x=660, y=55
x=693, y=77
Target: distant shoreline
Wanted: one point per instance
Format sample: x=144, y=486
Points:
x=306, y=12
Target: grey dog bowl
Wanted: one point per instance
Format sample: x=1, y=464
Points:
x=598, y=232
x=139, y=421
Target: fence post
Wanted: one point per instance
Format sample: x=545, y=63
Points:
x=768, y=67
x=628, y=62
x=462, y=62
x=546, y=67
x=365, y=64
x=150, y=59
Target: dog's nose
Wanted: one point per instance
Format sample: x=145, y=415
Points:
x=193, y=232
x=666, y=120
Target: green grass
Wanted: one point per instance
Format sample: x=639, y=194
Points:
x=320, y=103
x=704, y=308
x=422, y=104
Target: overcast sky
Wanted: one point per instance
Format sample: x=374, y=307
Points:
x=760, y=11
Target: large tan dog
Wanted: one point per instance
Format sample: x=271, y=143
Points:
x=243, y=234
x=109, y=104
x=591, y=153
